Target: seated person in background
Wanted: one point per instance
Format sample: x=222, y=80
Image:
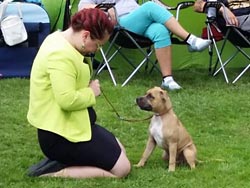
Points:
x=156, y=23
x=235, y=12
x=61, y=103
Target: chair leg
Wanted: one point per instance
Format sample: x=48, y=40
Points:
x=225, y=63
x=245, y=69
x=154, y=67
x=238, y=77
x=106, y=63
x=137, y=68
x=210, y=52
x=238, y=49
x=218, y=53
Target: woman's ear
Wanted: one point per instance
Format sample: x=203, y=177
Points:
x=85, y=34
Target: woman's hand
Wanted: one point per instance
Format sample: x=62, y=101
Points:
x=112, y=14
x=95, y=86
x=229, y=17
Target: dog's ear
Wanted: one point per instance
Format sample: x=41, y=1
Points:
x=163, y=89
x=163, y=95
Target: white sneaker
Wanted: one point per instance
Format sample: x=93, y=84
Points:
x=197, y=44
x=170, y=85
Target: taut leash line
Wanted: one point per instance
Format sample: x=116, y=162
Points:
x=118, y=115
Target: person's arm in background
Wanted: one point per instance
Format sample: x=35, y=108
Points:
x=86, y=4
x=92, y=4
x=199, y=6
x=227, y=14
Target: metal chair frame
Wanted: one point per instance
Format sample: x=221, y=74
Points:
x=144, y=43
x=242, y=42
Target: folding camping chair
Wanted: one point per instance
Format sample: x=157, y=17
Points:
x=238, y=38
x=123, y=38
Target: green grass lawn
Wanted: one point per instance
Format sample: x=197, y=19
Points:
x=216, y=114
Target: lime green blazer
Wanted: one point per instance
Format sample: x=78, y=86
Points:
x=59, y=92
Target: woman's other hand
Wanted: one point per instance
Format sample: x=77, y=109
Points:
x=229, y=16
x=95, y=86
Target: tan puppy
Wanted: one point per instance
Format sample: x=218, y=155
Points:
x=166, y=130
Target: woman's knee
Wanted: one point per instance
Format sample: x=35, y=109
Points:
x=122, y=167
x=150, y=5
x=159, y=34
x=159, y=13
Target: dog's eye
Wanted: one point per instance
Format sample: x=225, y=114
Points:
x=150, y=97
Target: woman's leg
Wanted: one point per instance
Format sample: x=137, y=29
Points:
x=147, y=13
x=121, y=169
x=150, y=13
x=163, y=52
x=174, y=26
x=122, y=163
x=195, y=43
x=80, y=172
x=164, y=57
x=102, y=156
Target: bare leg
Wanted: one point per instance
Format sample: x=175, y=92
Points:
x=81, y=172
x=123, y=165
x=164, y=57
x=120, y=169
x=174, y=26
x=195, y=43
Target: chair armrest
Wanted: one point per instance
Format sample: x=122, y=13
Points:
x=215, y=4
x=105, y=6
x=184, y=4
x=180, y=5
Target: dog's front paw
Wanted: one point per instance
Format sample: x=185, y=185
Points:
x=140, y=164
x=171, y=169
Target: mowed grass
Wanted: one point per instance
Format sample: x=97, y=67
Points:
x=216, y=114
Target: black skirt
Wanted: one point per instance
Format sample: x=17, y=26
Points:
x=101, y=151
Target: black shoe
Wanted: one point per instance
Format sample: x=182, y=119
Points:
x=45, y=166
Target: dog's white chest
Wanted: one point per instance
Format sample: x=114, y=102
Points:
x=156, y=130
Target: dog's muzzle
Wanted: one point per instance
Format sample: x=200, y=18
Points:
x=142, y=102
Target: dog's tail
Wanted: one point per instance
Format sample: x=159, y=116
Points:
x=210, y=160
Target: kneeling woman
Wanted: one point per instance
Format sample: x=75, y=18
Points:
x=61, y=103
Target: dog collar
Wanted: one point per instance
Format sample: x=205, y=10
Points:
x=161, y=114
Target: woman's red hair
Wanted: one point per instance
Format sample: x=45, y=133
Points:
x=93, y=20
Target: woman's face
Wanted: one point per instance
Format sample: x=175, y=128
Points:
x=93, y=45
